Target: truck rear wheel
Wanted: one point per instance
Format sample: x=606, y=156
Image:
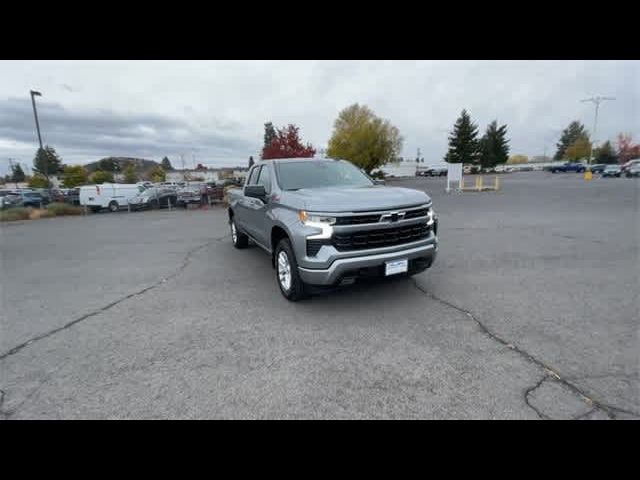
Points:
x=239, y=239
x=291, y=285
x=113, y=206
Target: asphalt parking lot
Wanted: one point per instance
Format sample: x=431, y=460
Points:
x=531, y=311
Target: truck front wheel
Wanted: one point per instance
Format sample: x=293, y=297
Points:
x=239, y=239
x=291, y=285
x=113, y=206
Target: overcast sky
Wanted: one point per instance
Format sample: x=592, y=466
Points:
x=215, y=110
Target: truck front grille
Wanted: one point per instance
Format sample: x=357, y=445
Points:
x=380, y=238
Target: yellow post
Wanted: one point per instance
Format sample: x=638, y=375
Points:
x=497, y=183
x=481, y=183
x=588, y=175
x=462, y=183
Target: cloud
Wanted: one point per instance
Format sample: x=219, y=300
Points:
x=92, y=109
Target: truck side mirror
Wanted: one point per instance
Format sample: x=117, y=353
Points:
x=255, y=191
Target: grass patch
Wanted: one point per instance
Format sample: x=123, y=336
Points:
x=15, y=214
x=59, y=209
x=37, y=213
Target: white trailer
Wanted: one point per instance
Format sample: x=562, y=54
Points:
x=113, y=196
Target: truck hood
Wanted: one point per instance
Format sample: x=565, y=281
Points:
x=358, y=199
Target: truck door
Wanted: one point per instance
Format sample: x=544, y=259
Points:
x=241, y=211
x=258, y=208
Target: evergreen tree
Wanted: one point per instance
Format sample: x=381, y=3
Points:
x=269, y=134
x=570, y=135
x=17, y=174
x=47, y=162
x=605, y=153
x=463, y=143
x=166, y=164
x=494, y=148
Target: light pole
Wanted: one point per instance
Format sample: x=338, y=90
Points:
x=35, y=113
x=596, y=100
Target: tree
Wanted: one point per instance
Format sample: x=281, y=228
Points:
x=74, y=176
x=287, y=144
x=517, y=159
x=100, y=176
x=494, y=148
x=363, y=138
x=108, y=165
x=166, y=164
x=251, y=162
x=605, y=153
x=570, y=135
x=39, y=181
x=157, y=174
x=269, y=134
x=17, y=174
x=47, y=162
x=463, y=145
x=578, y=150
x=130, y=175
x=627, y=150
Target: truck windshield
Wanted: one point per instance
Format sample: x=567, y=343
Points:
x=318, y=174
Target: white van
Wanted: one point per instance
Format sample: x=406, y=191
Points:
x=108, y=195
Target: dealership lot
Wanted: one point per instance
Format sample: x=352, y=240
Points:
x=531, y=311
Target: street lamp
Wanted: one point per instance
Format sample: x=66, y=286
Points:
x=596, y=100
x=35, y=113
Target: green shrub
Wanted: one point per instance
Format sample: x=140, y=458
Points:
x=59, y=209
x=13, y=214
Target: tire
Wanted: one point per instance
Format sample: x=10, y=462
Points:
x=113, y=206
x=239, y=239
x=154, y=204
x=287, y=276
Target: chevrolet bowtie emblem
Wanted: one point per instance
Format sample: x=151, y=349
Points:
x=392, y=216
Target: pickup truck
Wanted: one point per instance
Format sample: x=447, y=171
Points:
x=324, y=222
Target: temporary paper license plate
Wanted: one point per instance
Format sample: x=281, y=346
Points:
x=396, y=266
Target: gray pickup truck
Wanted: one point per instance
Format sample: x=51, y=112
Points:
x=326, y=223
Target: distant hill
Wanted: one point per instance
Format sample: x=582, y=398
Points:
x=141, y=165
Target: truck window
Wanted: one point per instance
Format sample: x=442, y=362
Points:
x=253, y=175
x=264, y=178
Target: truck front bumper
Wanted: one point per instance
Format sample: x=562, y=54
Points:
x=345, y=270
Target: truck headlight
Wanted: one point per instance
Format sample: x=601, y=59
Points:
x=317, y=221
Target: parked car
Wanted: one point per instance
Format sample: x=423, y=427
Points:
x=190, y=195
x=597, y=168
x=633, y=171
x=72, y=196
x=28, y=199
x=154, y=197
x=611, y=171
x=108, y=195
x=324, y=222
x=627, y=165
x=568, y=167
x=8, y=201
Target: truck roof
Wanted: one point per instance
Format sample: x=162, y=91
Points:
x=300, y=159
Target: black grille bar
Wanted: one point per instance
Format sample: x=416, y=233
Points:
x=380, y=238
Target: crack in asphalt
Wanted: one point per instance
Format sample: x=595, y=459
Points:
x=529, y=391
x=185, y=262
x=3, y=414
x=609, y=410
x=70, y=324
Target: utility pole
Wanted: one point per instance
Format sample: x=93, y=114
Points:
x=596, y=100
x=184, y=173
